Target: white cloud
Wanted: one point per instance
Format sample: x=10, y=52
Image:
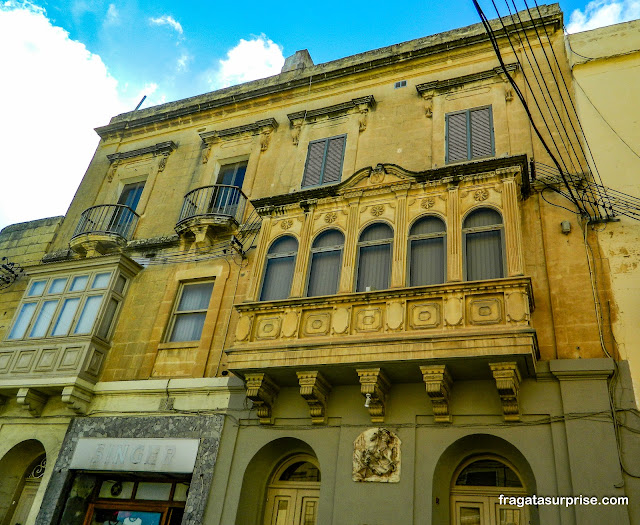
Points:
x=167, y=20
x=183, y=62
x=251, y=59
x=113, y=15
x=54, y=92
x=600, y=13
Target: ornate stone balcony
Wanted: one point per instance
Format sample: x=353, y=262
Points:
x=457, y=324
x=103, y=228
x=209, y=210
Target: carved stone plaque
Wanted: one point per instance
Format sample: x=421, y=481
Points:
x=376, y=456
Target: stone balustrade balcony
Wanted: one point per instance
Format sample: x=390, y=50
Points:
x=463, y=325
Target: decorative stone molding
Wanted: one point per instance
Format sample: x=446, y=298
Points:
x=314, y=388
x=262, y=390
x=508, y=379
x=77, y=398
x=296, y=128
x=376, y=456
x=264, y=128
x=361, y=104
x=32, y=400
x=438, y=383
x=161, y=148
x=429, y=89
x=374, y=386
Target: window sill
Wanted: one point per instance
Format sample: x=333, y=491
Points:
x=179, y=344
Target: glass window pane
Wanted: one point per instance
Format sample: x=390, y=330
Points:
x=427, y=225
x=483, y=217
x=116, y=489
x=120, y=282
x=103, y=331
x=377, y=232
x=37, y=288
x=374, y=266
x=79, y=283
x=88, y=315
x=153, y=491
x=101, y=281
x=188, y=327
x=65, y=317
x=427, y=261
x=286, y=244
x=329, y=239
x=44, y=319
x=484, y=255
x=23, y=320
x=324, y=273
x=57, y=285
x=278, y=277
x=195, y=297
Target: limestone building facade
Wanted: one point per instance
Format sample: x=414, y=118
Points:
x=333, y=296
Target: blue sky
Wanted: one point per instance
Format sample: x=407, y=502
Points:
x=68, y=66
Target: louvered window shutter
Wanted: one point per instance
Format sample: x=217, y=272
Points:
x=481, y=133
x=313, y=168
x=457, y=137
x=333, y=161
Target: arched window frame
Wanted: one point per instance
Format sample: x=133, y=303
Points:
x=285, y=463
x=490, y=490
x=471, y=230
x=335, y=248
x=418, y=237
x=380, y=242
x=279, y=255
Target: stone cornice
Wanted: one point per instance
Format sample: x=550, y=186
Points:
x=260, y=126
x=431, y=45
x=431, y=88
x=360, y=103
x=453, y=172
x=161, y=148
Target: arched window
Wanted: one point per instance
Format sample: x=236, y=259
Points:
x=278, y=272
x=483, y=242
x=374, y=258
x=324, y=267
x=427, y=249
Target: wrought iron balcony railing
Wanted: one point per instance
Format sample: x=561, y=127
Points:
x=219, y=201
x=110, y=219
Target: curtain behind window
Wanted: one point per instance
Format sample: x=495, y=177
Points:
x=483, y=245
x=278, y=273
x=427, y=259
x=374, y=258
x=326, y=258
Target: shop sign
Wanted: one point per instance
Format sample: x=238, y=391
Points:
x=136, y=455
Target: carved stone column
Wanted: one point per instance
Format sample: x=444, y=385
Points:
x=508, y=378
x=32, y=400
x=398, y=275
x=314, y=388
x=262, y=390
x=454, y=242
x=513, y=235
x=438, y=383
x=374, y=386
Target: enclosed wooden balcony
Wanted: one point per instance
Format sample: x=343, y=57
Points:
x=103, y=228
x=465, y=326
x=211, y=209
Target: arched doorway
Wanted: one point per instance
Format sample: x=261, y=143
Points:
x=481, y=490
x=293, y=492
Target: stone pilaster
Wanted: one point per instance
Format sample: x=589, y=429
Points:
x=454, y=242
x=350, y=243
x=438, y=383
x=513, y=234
x=508, y=379
x=314, y=388
x=374, y=386
x=304, y=249
x=262, y=390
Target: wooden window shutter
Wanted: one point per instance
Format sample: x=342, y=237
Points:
x=313, y=168
x=457, y=137
x=481, y=133
x=333, y=161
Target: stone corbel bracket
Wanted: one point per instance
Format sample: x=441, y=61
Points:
x=264, y=128
x=361, y=105
x=262, y=390
x=314, y=388
x=32, y=400
x=507, y=377
x=438, y=382
x=374, y=386
x=77, y=398
x=428, y=90
x=162, y=149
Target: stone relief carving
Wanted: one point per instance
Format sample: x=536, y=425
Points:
x=377, y=210
x=330, y=217
x=481, y=195
x=376, y=456
x=428, y=203
x=286, y=224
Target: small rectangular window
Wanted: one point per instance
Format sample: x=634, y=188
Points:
x=190, y=312
x=469, y=134
x=400, y=84
x=324, y=161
